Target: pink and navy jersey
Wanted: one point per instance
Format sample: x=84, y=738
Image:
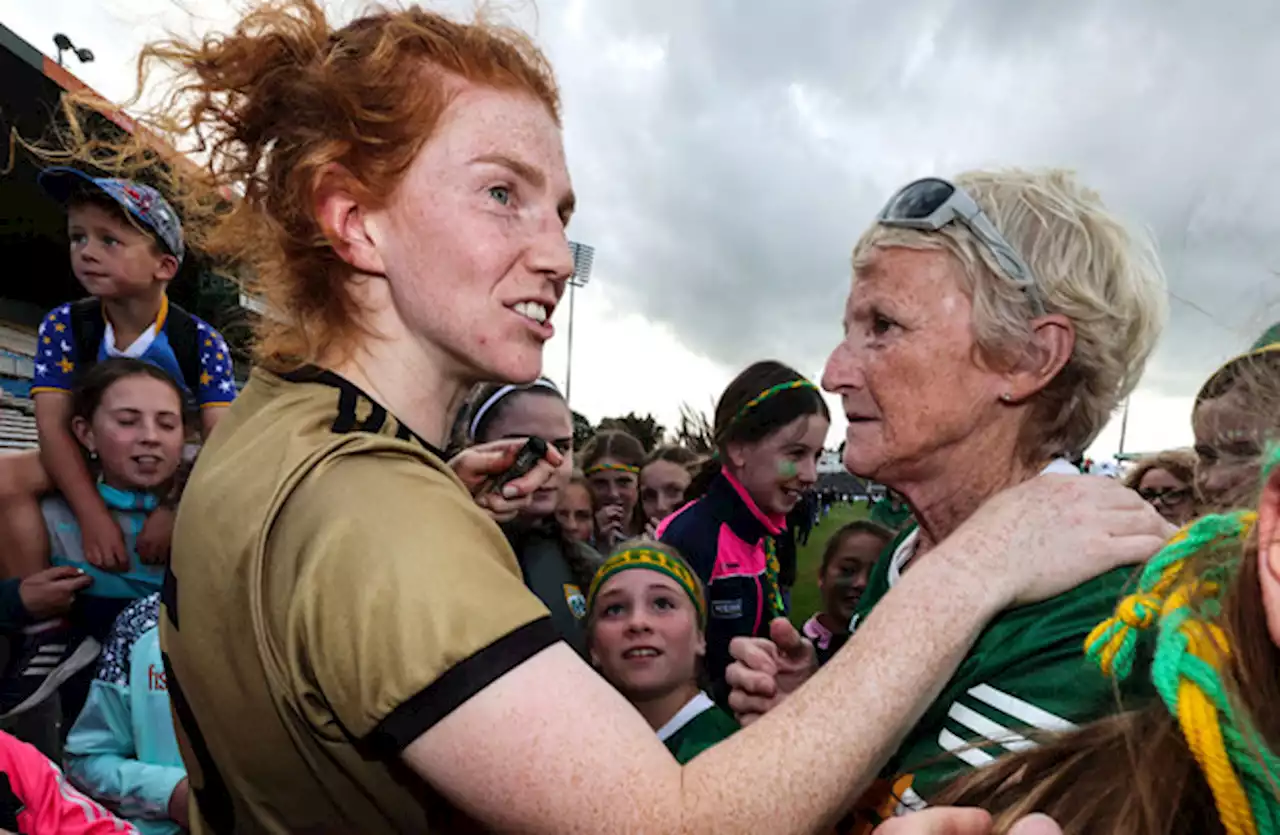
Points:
x=726, y=539
x=75, y=336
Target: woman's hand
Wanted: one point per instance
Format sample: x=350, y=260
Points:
x=955, y=821
x=1052, y=533
x=479, y=466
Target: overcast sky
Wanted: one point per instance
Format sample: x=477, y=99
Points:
x=727, y=155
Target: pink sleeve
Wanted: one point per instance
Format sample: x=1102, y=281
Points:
x=51, y=805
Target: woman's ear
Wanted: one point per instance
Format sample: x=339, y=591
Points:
x=83, y=431
x=1053, y=338
x=1269, y=553
x=700, y=644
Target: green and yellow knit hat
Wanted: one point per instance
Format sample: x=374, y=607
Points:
x=1266, y=347
x=652, y=556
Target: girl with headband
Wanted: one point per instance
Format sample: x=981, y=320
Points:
x=555, y=568
x=611, y=462
x=769, y=428
x=647, y=623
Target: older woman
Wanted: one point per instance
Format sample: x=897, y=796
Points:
x=993, y=324
x=1167, y=481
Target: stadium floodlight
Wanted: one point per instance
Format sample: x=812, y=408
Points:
x=584, y=257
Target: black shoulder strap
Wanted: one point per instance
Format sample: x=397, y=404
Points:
x=87, y=328
x=184, y=339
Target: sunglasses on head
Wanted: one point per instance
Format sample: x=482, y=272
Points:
x=931, y=203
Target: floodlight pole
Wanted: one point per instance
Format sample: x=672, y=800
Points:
x=1124, y=426
x=583, y=257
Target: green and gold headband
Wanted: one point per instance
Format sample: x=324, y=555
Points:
x=612, y=468
x=790, y=385
x=653, y=560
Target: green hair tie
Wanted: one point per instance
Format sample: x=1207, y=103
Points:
x=651, y=559
x=790, y=385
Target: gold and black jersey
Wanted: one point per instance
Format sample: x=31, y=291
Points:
x=334, y=593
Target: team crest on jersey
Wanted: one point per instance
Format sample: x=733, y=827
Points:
x=574, y=599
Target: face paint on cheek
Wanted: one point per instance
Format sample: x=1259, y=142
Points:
x=787, y=469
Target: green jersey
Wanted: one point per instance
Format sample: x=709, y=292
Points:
x=699, y=725
x=1026, y=676
x=886, y=514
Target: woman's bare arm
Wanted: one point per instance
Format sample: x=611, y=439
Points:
x=551, y=748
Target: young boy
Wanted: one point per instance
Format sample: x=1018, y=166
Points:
x=126, y=245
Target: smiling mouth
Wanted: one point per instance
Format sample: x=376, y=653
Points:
x=535, y=311
x=641, y=652
x=147, y=460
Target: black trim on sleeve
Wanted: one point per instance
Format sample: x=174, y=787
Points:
x=420, y=713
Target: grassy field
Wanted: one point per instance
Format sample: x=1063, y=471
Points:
x=805, y=599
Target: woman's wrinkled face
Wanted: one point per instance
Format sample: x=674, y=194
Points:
x=1230, y=439
x=1172, y=498
x=538, y=413
x=612, y=487
x=645, y=639
x=472, y=240
x=662, y=487
x=136, y=432
x=907, y=369
x=777, y=469
x=574, y=512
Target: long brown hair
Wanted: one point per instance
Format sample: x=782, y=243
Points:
x=275, y=107
x=1134, y=773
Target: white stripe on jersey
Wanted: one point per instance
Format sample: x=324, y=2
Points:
x=984, y=727
x=963, y=749
x=1018, y=709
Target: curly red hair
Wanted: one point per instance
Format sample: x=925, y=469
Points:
x=279, y=103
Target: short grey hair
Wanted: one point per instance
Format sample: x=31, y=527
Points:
x=1088, y=266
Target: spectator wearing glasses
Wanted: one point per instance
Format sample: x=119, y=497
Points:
x=993, y=325
x=1167, y=481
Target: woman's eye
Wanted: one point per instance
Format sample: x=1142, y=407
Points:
x=663, y=603
x=880, y=325
x=110, y=241
x=500, y=193
x=78, y=239
x=613, y=610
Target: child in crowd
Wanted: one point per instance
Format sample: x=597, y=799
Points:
x=557, y=568
x=646, y=626
x=122, y=750
x=611, y=462
x=664, y=480
x=842, y=578
x=36, y=799
x=128, y=423
x=126, y=245
x=574, y=510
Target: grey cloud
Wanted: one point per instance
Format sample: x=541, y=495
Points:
x=720, y=207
